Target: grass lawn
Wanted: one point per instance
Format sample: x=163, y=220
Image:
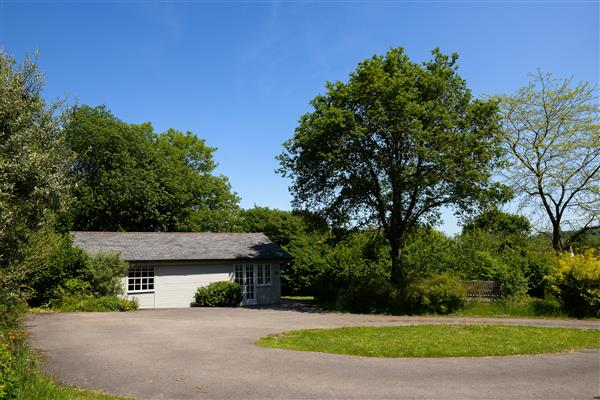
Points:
x=441, y=340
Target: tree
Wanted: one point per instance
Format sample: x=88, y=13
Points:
x=499, y=222
x=552, y=133
x=391, y=146
x=34, y=162
x=130, y=178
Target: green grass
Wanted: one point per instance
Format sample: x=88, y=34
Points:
x=299, y=298
x=441, y=340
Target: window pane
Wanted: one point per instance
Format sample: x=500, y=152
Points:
x=137, y=287
x=151, y=286
x=130, y=287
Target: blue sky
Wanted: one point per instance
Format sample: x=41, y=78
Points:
x=240, y=73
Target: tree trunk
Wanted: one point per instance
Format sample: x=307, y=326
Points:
x=557, y=242
x=398, y=274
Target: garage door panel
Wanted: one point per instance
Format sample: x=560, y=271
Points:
x=177, y=284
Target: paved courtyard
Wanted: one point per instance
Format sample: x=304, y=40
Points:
x=210, y=354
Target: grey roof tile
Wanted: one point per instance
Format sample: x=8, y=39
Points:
x=164, y=246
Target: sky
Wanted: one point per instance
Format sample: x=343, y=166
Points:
x=239, y=74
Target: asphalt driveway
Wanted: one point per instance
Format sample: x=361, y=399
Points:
x=210, y=354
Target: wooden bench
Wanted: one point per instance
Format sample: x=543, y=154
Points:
x=482, y=290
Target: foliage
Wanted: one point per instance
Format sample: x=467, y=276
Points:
x=576, y=282
x=12, y=296
x=104, y=273
x=280, y=226
x=394, y=144
x=219, y=294
x=33, y=158
x=132, y=179
x=357, y=257
x=7, y=372
x=102, y=303
x=428, y=252
x=498, y=222
x=51, y=260
x=437, y=340
x=439, y=294
x=368, y=295
x=513, y=307
x=516, y=262
x=552, y=132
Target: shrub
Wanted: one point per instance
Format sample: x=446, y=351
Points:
x=369, y=295
x=104, y=273
x=219, y=294
x=440, y=294
x=104, y=303
x=71, y=292
x=7, y=371
x=50, y=260
x=12, y=297
x=576, y=282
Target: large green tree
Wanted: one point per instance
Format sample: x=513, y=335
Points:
x=34, y=161
x=393, y=145
x=552, y=132
x=130, y=178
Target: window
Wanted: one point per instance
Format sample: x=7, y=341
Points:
x=263, y=272
x=140, y=279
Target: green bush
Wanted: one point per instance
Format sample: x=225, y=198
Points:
x=104, y=303
x=7, y=371
x=370, y=295
x=219, y=294
x=440, y=294
x=71, y=292
x=51, y=259
x=576, y=282
x=12, y=297
x=104, y=273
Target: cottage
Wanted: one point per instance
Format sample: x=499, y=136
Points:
x=167, y=268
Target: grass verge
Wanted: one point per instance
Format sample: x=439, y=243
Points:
x=440, y=340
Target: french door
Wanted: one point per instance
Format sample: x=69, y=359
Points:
x=243, y=275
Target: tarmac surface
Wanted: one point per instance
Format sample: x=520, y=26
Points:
x=202, y=353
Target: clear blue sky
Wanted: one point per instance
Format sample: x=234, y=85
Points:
x=239, y=74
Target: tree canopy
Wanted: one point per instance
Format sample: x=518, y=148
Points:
x=552, y=133
x=130, y=178
x=392, y=145
x=33, y=159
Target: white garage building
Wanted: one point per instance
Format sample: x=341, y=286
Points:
x=167, y=268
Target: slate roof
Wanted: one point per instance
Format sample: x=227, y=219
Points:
x=172, y=246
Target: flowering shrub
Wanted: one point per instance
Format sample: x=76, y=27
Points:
x=576, y=282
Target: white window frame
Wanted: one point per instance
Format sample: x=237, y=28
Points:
x=262, y=277
x=149, y=277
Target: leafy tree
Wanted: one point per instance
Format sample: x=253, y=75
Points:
x=280, y=226
x=551, y=130
x=33, y=160
x=130, y=178
x=499, y=222
x=391, y=146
